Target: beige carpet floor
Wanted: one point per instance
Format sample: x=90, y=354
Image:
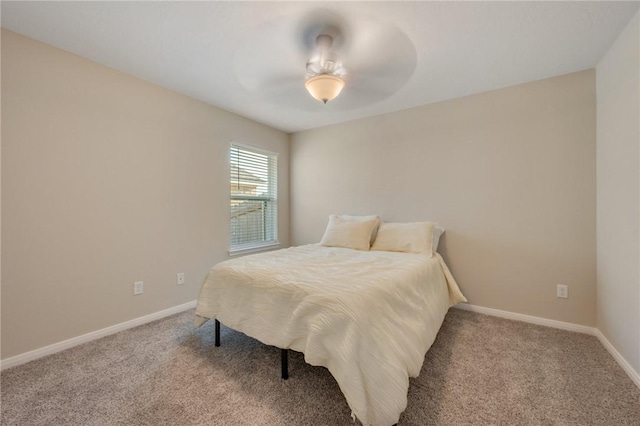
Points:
x=480, y=371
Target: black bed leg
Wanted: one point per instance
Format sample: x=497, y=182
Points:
x=217, y=333
x=284, y=362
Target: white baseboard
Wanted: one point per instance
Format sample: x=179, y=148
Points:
x=66, y=344
x=633, y=375
x=94, y=335
x=621, y=361
x=528, y=318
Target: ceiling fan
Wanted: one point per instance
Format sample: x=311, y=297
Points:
x=362, y=59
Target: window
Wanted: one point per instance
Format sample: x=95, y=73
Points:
x=254, y=204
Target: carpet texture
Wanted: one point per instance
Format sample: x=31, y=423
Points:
x=481, y=370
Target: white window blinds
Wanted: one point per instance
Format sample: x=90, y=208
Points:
x=254, y=189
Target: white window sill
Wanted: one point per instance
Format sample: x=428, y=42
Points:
x=253, y=249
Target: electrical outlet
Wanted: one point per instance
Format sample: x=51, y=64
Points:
x=138, y=288
x=180, y=278
x=562, y=291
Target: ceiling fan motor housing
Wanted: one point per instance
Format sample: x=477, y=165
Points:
x=324, y=71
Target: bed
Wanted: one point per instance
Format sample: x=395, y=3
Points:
x=369, y=317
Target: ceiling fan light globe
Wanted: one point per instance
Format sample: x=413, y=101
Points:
x=324, y=87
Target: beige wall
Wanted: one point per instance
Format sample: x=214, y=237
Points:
x=107, y=180
x=618, y=171
x=509, y=173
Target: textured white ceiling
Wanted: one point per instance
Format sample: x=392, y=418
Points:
x=200, y=48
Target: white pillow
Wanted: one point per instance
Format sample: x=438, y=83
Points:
x=364, y=218
x=437, y=233
x=415, y=237
x=348, y=233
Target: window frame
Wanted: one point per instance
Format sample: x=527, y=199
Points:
x=273, y=185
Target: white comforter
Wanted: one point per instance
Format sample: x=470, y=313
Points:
x=367, y=316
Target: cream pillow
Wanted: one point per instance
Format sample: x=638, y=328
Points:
x=437, y=233
x=415, y=237
x=348, y=233
x=362, y=219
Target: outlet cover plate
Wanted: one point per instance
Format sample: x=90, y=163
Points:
x=138, y=288
x=562, y=291
x=180, y=278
